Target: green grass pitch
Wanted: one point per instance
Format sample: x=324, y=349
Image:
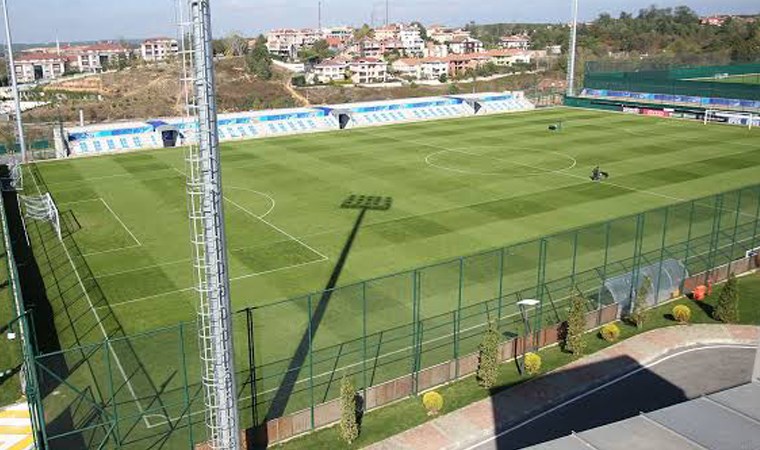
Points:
x=458, y=187
x=750, y=78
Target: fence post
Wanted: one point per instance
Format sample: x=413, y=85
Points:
x=542, y=246
x=250, y=330
x=662, y=254
x=415, y=325
x=186, y=387
x=714, y=236
x=636, y=267
x=575, y=257
x=757, y=219
x=111, y=391
x=311, y=362
x=608, y=228
x=501, y=288
x=458, y=320
x=688, y=246
x=736, y=229
x=364, y=339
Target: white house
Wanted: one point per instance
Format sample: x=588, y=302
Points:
x=95, y=58
x=465, y=45
x=159, y=49
x=330, y=70
x=368, y=70
x=421, y=68
x=31, y=67
x=286, y=42
x=515, y=41
x=507, y=57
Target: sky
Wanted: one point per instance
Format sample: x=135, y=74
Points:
x=74, y=20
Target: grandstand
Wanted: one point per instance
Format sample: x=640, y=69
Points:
x=172, y=132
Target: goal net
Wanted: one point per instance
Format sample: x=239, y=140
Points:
x=42, y=207
x=744, y=119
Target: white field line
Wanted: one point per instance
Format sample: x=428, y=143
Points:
x=118, y=219
x=474, y=172
x=606, y=385
x=112, y=250
x=100, y=324
x=87, y=200
x=272, y=202
x=241, y=277
x=260, y=218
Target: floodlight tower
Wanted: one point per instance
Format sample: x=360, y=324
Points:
x=205, y=207
x=14, y=83
x=572, y=51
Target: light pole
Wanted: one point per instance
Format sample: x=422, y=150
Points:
x=572, y=51
x=14, y=84
x=528, y=334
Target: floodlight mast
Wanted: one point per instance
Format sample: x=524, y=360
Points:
x=210, y=266
x=14, y=83
x=572, y=51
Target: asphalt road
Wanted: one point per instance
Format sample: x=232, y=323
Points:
x=684, y=375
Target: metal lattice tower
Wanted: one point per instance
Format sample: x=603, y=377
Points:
x=572, y=51
x=204, y=192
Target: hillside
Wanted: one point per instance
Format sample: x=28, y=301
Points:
x=154, y=91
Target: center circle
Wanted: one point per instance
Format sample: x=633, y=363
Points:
x=509, y=161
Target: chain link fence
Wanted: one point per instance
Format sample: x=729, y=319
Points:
x=395, y=335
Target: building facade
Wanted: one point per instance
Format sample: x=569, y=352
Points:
x=159, y=49
x=368, y=70
x=31, y=67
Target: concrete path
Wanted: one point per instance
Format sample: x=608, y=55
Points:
x=15, y=428
x=482, y=421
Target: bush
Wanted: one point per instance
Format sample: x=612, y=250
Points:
x=682, y=313
x=575, y=341
x=488, y=357
x=610, y=332
x=348, y=428
x=727, y=309
x=433, y=402
x=640, y=312
x=532, y=363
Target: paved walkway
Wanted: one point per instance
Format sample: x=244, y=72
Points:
x=15, y=428
x=482, y=420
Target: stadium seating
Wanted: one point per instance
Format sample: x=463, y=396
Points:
x=120, y=137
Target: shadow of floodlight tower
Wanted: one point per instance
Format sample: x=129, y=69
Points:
x=280, y=399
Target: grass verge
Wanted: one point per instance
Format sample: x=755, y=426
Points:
x=385, y=422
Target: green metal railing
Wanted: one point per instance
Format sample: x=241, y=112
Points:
x=140, y=391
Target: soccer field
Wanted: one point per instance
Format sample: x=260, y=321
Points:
x=750, y=78
x=458, y=186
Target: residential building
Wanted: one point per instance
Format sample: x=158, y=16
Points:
x=369, y=48
x=458, y=64
x=421, y=68
x=407, y=67
x=159, y=49
x=507, y=57
x=515, y=41
x=330, y=70
x=286, y=43
x=444, y=35
x=344, y=34
x=38, y=66
x=716, y=21
x=98, y=57
x=387, y=32
x=436, y=50
x=465, y=45
x=368, y=70
x=553, y=49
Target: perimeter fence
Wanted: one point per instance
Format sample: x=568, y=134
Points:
x=395, y=335
x=726, y=81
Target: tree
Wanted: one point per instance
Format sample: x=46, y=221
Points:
x=488, y=357
x=423, y=30
x=235, y=45
x=443, y=78
x=575, y=341
x=364, y=32
x=348, y=427
x=640, y=311
x=258, y=61
x=219, y=47
x=317, y=52
x=727, y=309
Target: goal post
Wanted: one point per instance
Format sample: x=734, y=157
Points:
x=42, y=208
x=746, y=119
